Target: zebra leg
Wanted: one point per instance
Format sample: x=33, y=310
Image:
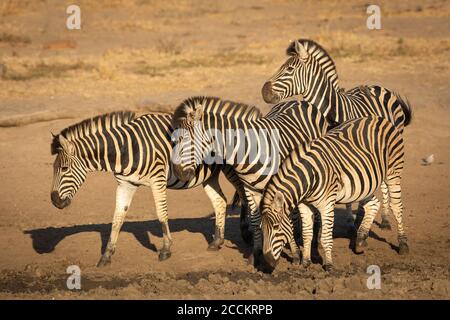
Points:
x=253, y=200
x=385, y=224
x=326, y=237
x=124, y=195
x=219, y=202
x=371, y=206
x=159, y=187
x=295, y=251
x=352, y=229
x=307, y=232
x=395, y=198
x=240, y=193
x=246, y=234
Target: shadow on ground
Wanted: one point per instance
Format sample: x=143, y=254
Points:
x=45, y=240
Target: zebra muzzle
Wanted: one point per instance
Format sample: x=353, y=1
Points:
x=270, y=261
x=183, y=174
x=57, y=201
x=268, y=95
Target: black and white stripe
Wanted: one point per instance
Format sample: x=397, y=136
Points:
x=348, y=164
x=310, y=71
x=137, y=150
x=198, y=117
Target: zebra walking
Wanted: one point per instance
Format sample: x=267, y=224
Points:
x=137, y=150
x=253, y=147
x=347, y=165
x=310, y=71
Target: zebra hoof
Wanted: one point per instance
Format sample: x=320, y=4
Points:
x=104, y=261
x=329, y=267
x=164, y=255
x=360, y=245
x=214, y=246
x=385, y=224
x=403, y=248
x=296, y=259
x=306, y=263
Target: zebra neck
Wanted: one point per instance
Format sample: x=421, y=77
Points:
x=328, y=98
x=307, y=181
x=94, y=153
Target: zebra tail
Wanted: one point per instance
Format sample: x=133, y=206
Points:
x=236, y=201
x=406, y=107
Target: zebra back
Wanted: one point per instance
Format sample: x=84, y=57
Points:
x=317, y=80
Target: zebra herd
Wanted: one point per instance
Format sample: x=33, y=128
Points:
x=334, y=146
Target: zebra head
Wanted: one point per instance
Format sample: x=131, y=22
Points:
x=290, y=79
x=192, y=143
x=276, y=228
x=69, y=172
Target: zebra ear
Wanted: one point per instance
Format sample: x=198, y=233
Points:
x=277, y=204
x=301, y=50
x=66, y=145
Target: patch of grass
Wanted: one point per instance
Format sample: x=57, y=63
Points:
x=14, y=39
x=168, y=46
x=148, y=70
x=42, y=70
x=344, y=44
x=232, y=58
x=218, y=60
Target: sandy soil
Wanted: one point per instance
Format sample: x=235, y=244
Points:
x=149, y=55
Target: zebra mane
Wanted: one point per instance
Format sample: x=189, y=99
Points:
x=211, y=106
x=90, y=126
x=320, y=54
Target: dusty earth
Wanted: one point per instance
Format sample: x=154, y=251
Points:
x=148, y=55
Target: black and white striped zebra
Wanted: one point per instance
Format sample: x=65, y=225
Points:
x=310, y=71
x=137, y=150
x=348, y=164
x=254, y=147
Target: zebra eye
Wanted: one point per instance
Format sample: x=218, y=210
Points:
x=276, y=226
x=64, y=169
x=290, y=69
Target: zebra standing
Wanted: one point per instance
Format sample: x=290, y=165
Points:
x=309, y=71
x=346, y=165
x=253, y=147
x=137, y=151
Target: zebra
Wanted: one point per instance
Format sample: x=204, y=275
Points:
x=348, y=164
x=210, y=125
x=310, y=71
x=137, y=150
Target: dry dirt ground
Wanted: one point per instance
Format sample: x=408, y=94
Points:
x=148, y=55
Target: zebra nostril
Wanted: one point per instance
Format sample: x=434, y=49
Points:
x=55, y=197
x=57, y=201
x=270, y=261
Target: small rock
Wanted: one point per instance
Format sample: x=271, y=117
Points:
x=428, y=160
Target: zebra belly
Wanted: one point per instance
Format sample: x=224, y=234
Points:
x=203, y=174
x=352, y=190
